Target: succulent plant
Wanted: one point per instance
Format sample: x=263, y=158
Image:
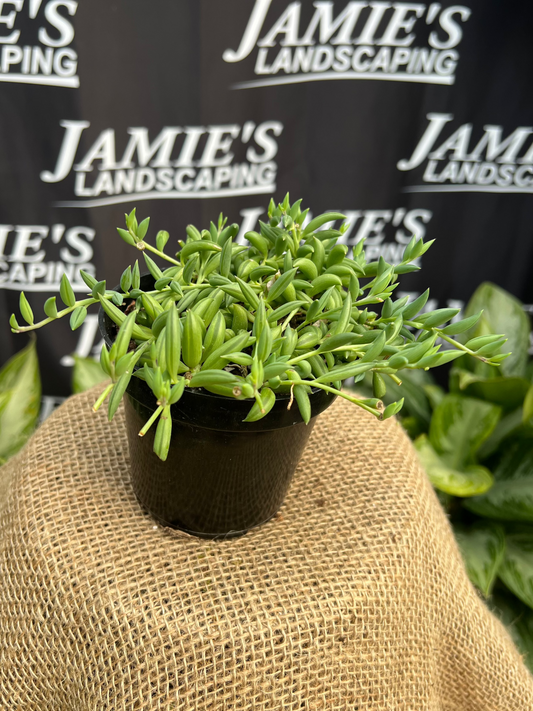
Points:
x=285, y=312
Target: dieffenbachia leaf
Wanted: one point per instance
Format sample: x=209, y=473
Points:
x=516, y=570
x=518, y=618
x=20, y=398
x=86, y=373
x=507, y=392
x=458, y=428
x=511, y=497
x=482, y=546
x=471, y=480
x=502, y=313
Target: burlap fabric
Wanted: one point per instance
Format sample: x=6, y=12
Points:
x=353, y=598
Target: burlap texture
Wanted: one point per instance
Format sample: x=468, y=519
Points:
x=353, y=598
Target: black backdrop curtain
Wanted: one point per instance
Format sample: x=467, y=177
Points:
x=411, y=118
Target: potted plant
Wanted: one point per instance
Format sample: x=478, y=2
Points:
x=228, y=355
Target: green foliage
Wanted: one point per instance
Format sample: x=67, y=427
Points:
x=518, y=618
x=483, y=548
x=461, y=480
x=20, y=397
x=86, y=373
x=511, y=497
x=502, y=313
x=516, y=570
x=286, y=313
x=476, y=445
x=459, y=426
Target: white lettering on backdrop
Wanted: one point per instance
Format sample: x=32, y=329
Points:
x=465, y=160
x=364, y=40
x=180, y=162
x=35, y=257
x=52, y=62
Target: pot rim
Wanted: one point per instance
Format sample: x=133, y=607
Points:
x=216, y=412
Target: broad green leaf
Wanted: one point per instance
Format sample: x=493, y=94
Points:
x=527, y=415
x=472, y=480
x=508, y=392
x=86, y=373
x=459, y=426
x=4, y=399
x=502, y=313
x=511, y=497
x=20, y=398
x=416, y=403
x=435, y=394
x=460, y=378
x=482, y=547
x=412, y=426
x=516, y=570
x=518, y=618
x=446, y=500
x=510, y=426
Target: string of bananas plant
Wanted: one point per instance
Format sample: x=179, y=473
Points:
x=285, y=313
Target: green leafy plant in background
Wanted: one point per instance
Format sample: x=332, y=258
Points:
x=287, y=312
x=20, y=395
x=476, y=444
x=20, y=400
x=86, y=373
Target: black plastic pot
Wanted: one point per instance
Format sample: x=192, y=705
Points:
x=222, y=476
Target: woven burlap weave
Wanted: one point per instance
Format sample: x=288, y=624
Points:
x=353, y=598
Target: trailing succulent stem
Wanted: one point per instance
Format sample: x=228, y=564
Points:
x=282, y=314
